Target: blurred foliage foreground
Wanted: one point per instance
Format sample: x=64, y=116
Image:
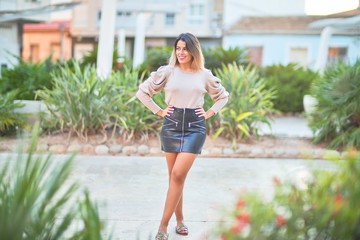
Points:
x=322, y=204
x=336, y=118
x=37, y=200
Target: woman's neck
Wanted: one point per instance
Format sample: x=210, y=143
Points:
x=186, y=67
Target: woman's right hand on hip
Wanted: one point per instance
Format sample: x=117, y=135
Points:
x=166, y=112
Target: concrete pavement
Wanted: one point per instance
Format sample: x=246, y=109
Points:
x=131, y=190
x=289, y=127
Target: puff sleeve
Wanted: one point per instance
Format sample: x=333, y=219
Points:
x=217, y=92
x=154, y=84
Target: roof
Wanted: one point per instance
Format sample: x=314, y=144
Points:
x=22, y=15
x=54, y=25
x=350, y=13
x=279, y=25
x=275, y=24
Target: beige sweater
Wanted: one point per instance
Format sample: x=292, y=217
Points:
x=182, y=89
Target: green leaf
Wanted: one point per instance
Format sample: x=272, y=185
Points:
x=243, y=116
x=243, y=129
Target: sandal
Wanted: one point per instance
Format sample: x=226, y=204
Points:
x=161, y=236
x=182, y=230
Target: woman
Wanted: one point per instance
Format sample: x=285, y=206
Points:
x=185, y=82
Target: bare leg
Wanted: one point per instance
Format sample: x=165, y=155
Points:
x=180, y=169
x=171, y=158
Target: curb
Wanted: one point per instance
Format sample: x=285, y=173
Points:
x=251, y=151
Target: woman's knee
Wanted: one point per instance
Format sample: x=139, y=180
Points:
x=177, y=176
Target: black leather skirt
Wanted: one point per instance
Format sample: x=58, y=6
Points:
x=183, y=131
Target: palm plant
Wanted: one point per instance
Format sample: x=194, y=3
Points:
x=291, y=82
x=90, y=58
x=38, y=202
x=231, y=55
x=26, y=78
x=9, y=120
x=80, y=102
x=156, y=57
x=336, y=118
x=217, y=57
x=135, y=122
x=249, y=103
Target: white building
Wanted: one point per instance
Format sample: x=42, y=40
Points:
x=291, y=39
x=234, y=10
x=13, y=14
x=11, y=26
x=164, y=21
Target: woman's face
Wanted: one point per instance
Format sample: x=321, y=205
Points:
x=182, y=53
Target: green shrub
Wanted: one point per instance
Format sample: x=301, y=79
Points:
x=292, y=83
x=325, y=205
x=37, y=201
x=216, y=57
x=9, y=120
x=80, y=102
x=336, y=118
x=135, y=121
x=27, y=78
x=156, y=57
x=90, y=58
x=249, y=103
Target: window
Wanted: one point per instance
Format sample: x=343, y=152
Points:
x=3, y=66
x=196, y=13
x=196, y=9
x=299, y=55
x=170, y=19
x=34, y=52
x=255, y=55
x=56, y=51
x=123, y=14
x=150, y=20
x=336, y=54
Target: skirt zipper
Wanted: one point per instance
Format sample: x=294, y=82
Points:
x=182, y=131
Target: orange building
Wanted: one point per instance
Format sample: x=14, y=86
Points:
x=42, y=39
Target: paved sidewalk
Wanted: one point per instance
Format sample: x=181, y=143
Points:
x=289, y=127
x=131, y=190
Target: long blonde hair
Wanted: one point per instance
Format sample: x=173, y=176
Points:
x=194, y=48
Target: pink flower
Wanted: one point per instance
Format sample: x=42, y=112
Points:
x=280, y=220
x=240, y=204
x=339, y=202
x=276, y=181
x=339, y=199
x=242, y=220
x=223, y=237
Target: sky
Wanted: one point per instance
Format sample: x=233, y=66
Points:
x=61, y=15
x=312, y=7
x=325, y=7
x=235, y=9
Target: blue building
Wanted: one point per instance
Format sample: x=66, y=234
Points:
x=285, y=39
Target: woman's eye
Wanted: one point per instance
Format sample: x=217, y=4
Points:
x=179, y=49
